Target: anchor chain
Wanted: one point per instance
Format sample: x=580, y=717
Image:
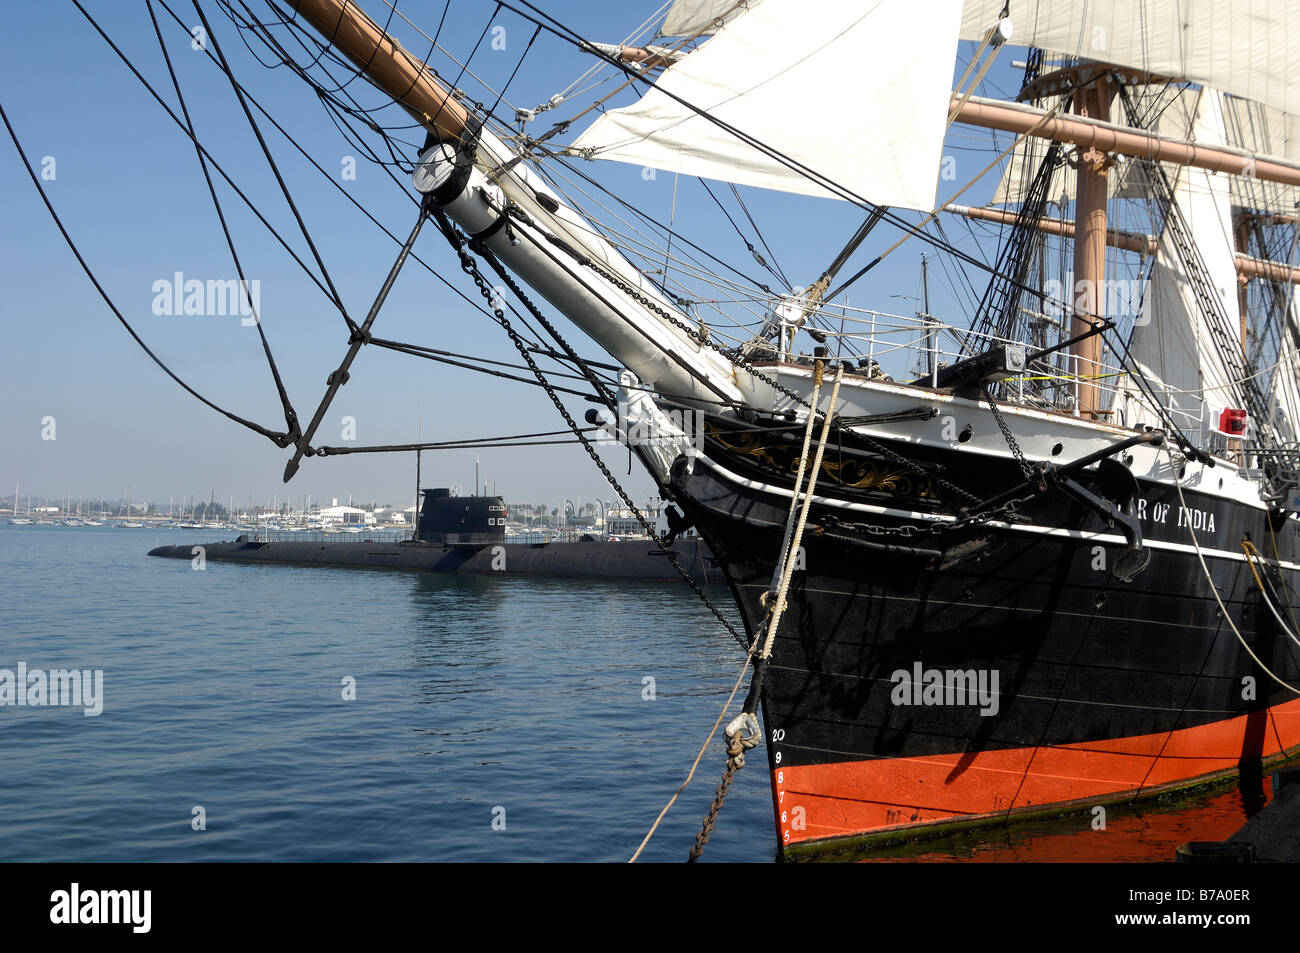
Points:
x=1032, y=475
x=741, y=734
x=1008, y=512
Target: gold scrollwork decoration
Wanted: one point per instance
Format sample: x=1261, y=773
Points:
x=851, y=473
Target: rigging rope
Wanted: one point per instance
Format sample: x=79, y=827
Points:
x=275, y=169
x=290, y=416
x=339, y=187
x=1253, y=555
x=1214, y=590
x=211, y=159
x=462, y=247
x=570, y=36
x=279, y=439
x=482, y=443
x=742, y=733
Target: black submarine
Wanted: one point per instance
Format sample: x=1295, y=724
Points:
x=468, y=534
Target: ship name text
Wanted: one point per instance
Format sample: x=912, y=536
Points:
x=1189, y=517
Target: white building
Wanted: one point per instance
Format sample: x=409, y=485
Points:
x=345, y=515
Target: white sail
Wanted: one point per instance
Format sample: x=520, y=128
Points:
x=856, y=93
x=689, y=17
x=1245, y=47
x=1284, y=395
x=1171, y=344
x=1263, y=129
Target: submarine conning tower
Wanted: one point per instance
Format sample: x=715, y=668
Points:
x=462, y=520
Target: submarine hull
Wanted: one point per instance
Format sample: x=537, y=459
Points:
x=576, y=560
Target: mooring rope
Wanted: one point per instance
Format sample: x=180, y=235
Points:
x=736, y=745
x=1288, y=601
x=698, y=758
x=792, y=554
x=742, y=733
x=819, y=375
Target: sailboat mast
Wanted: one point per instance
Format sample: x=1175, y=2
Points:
x=1094, y=99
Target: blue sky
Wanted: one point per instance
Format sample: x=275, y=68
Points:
x=129, y=189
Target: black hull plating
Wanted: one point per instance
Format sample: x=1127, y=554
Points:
x=1080, y=656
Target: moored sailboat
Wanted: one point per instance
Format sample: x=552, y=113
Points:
x=17, y=520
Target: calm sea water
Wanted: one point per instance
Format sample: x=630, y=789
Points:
x=477, y=699
x=222, y=689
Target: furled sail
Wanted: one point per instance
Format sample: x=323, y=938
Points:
x=1243, y=47
x=857, y=93
x=1171, y=346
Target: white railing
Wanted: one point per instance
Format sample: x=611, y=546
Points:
x=914, y=348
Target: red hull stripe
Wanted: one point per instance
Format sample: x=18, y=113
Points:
x=814, y=802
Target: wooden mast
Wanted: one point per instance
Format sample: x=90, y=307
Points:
x=385, y=63
x=1093, y=168
x=1088, y=132
x=1247, y=266
x=1241, y=238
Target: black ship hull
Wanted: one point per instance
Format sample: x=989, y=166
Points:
x=926, y=675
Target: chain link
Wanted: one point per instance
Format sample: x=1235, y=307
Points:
x=1029, y=472
x=735, y=761
x=1008, y=512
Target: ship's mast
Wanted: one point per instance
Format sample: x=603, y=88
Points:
x=1094, y=99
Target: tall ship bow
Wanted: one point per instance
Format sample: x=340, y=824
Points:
x=1028, y=549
